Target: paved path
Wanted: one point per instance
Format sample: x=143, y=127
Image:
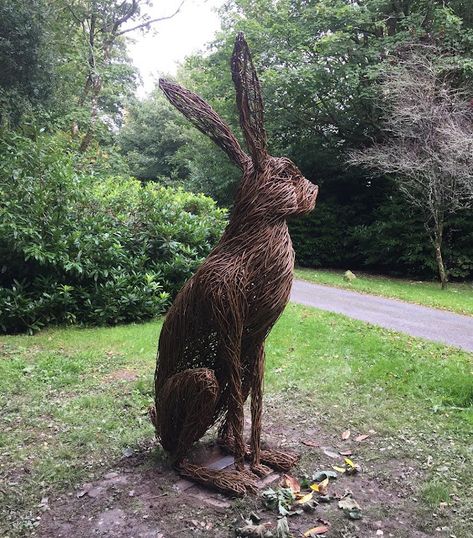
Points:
x=430, y=323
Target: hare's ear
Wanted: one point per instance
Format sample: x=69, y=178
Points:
x=249, y=100
x=205, y=119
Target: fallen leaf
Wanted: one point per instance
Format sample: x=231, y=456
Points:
x=339, y=469
x=345, y=452
x=282, y=530
x=348, y=503
x=305, y=498
x=322, y=475
x=362, y=437
x=346, y=435
x=351, y=508
x=255, y=531
x=330, y=453
x=308, y=442
x=290, y=482
x=280, y=499
x=316, y=531
x=352, y=467
x=321, y=487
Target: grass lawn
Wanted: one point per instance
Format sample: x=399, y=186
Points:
x=72, y=400
x=457, y=297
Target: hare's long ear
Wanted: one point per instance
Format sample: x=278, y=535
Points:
x=249, y=100
x=204, y=117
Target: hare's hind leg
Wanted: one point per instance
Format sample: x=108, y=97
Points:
x=185, y=410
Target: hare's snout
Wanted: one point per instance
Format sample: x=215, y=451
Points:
x=307, y=196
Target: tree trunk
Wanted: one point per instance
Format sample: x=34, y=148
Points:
x=437, y=240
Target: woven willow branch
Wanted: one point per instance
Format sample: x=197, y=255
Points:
x=211, y=347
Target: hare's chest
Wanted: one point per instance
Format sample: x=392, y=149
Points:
x=269, y=286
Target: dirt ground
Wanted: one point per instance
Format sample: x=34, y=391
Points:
x=142, y=497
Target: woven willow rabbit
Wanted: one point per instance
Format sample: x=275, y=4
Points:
x=211, y=348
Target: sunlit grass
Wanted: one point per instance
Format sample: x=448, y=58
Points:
x=73, y=399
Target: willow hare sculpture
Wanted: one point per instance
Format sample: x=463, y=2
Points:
x=211, y=348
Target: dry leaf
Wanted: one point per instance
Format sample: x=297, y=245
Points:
x=282, y=530
x=352, y=467
x=322, y=475
x=348, y=503
x=345, y=452
x=308, y=442
x=323, y=486
x=305, y=498
x=351, y=508
x=315, y=531
x=361, y=437
x=339, y=469
x=346, y=435
x=255, y=531
x=330, y=453
x=290, y=482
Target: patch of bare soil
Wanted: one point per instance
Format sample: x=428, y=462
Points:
x=145, y=498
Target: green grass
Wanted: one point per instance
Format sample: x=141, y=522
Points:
x=73, y=399
x=457, y=297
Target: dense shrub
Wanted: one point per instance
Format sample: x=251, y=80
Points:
x=77, y=248
x=376, y=233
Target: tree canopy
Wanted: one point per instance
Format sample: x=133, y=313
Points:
x=321, y=63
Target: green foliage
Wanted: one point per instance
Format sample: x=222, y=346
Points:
x=159, y=144
x=151, y=137
x=320, y=64
x=26, y=64
x=77, y=248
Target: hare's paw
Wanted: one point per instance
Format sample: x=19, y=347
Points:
x=237, y=483
x=279, y=460
x=260, y=470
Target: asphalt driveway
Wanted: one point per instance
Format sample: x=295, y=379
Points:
x=430, y=323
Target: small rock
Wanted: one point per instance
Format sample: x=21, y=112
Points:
x=112, y=474
x=94, y=492
x=349, y=276
x=128, y=452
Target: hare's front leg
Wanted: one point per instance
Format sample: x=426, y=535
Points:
x=256, y=412
x=230, y=353
x=278, y=460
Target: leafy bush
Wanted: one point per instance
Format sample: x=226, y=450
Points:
x=377, y=231
x=77, y=248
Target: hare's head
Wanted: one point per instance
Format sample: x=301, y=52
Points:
x=271, y=186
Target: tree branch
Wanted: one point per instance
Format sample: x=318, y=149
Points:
x=151, y=21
